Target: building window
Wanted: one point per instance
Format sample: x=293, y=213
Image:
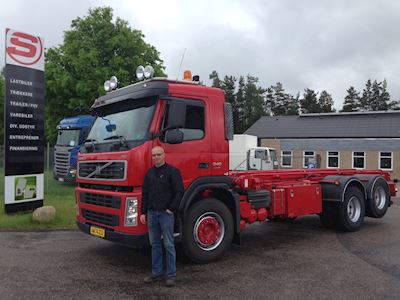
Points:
x=359, y=160
x=385, y=160
x=286, y=158
x=332, y=159
x=309, y=160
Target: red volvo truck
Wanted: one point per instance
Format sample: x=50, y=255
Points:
x=193, y=123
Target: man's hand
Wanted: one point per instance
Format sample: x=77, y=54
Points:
x=169, y=212
x=143, y=219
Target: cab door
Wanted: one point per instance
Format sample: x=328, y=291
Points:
x=192, y=157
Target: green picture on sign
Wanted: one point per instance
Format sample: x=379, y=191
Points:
x=24, y=188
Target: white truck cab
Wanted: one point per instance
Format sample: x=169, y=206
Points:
x=245, y=155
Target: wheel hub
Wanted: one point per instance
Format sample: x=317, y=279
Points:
x=380, y=197
x=354, y=209
x=209, y=231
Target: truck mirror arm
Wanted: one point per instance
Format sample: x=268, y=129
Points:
x=155, y=135
x=90, y=144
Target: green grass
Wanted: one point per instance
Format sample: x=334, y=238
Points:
x=57, y=194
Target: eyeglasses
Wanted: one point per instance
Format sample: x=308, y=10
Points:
x=157, y=154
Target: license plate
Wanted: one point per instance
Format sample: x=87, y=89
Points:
x=61, y=179
x=96, y=231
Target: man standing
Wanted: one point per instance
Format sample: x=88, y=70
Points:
x=162, y=191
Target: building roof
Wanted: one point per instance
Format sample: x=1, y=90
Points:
x=379, y=124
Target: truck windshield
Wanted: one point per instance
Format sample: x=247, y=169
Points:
x=130, y=125
x=68, y=137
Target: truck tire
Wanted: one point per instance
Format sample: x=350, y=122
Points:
x=351, y=210
x=207, y=231
x=377, y=205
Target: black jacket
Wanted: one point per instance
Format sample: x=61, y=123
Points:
x=162, y=189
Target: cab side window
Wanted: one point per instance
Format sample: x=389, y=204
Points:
x=194, y=122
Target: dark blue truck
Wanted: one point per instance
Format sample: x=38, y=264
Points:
x=72, y=132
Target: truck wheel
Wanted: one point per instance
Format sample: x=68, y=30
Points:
x=352, y=210
x=378, y=204
x=207, y=231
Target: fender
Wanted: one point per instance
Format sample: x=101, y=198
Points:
x=221, y=183
x=335, y=193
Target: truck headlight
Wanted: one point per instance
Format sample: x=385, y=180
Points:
x=72, y=172
x=131, y=213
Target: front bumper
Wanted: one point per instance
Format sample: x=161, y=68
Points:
x=132, y=240
x=68, y=178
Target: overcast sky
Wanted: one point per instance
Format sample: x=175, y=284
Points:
x=323, y=45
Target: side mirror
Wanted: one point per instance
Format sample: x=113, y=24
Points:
x=174, y=136
x=176, y=114
x=111, y=127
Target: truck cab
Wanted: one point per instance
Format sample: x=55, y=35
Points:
x=185, y=118
x=262, y=158
x=244, y=154
x=71, y=133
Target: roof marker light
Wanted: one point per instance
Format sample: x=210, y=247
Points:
x=140, y=72
x=187, y=75
x=113, y=82
x=148, y=72
x=107, y=86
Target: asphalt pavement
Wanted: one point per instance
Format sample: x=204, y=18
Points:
x=297, y=260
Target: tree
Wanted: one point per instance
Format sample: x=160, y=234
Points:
x=216, y=82
x=293, y=105
x=351, y=101
x=375, y=100
x=240, y=99
x=385, y=98
x=254, y=98
x=325, y=102
x=366, y=96
x=376, y=97
x=309, y=103
x=94, y=49
x=279, y=103
x=228, y=85
x=269, y=102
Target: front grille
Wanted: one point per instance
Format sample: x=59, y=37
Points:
x=102, y=170
x=101, y=218
x=61, y=162
x=100, y=200
x=103, y=187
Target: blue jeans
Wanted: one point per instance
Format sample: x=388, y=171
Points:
x=161, y=223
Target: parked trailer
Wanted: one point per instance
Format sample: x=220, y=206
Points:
x=193, y=124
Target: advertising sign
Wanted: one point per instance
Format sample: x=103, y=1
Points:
x=23, y=121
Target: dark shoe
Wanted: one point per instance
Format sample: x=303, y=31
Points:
x=152, y=278
x=170, y=281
